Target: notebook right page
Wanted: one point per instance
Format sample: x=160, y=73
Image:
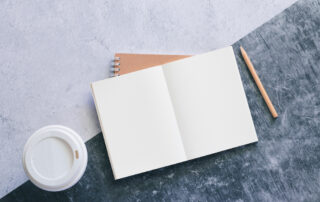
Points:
x=210, y=103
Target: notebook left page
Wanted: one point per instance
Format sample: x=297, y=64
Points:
x=138, y=122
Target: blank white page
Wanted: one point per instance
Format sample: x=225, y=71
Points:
x=209, y=103
x=138, y=122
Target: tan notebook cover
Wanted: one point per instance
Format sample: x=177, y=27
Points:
x=125, y=62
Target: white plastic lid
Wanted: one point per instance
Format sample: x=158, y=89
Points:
x=55, y=158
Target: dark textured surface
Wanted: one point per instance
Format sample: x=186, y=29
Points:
x=283, y=166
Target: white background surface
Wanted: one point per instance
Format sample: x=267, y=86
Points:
x=50, y=51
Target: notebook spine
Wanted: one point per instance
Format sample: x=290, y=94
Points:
x=115, y=67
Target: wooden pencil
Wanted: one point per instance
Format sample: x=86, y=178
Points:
x=258, y=82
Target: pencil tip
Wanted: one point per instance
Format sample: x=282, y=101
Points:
x=242, y=50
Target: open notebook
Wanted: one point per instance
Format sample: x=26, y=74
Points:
x=172, y=113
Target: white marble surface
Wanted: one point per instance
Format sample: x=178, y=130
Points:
x=50, y=51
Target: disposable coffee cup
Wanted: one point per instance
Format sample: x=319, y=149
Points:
x=55, y=158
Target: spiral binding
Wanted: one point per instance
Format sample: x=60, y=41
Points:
x=115, y=67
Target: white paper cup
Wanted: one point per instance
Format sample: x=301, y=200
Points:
x=55, y=158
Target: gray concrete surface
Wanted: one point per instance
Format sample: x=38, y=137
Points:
x=50, y=51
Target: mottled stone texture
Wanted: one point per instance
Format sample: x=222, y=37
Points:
x=283, y=166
